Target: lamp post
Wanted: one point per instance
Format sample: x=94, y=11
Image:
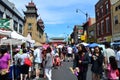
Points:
x=86, y=14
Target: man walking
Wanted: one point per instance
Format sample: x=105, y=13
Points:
x=38, y=61
x=107, y=53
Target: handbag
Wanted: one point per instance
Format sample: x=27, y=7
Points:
x=27, y=62
x=3, y=72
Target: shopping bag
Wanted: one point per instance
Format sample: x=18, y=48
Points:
x=27, y=62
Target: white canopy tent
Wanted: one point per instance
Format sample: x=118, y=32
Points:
x=29, y=41
x=5, y=33
x=15, y=35
x=11, y=42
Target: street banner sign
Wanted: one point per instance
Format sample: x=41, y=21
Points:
x=5, y=23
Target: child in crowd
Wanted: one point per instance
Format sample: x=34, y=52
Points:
x=57, y=62
x=113, y=73
x=76, y=71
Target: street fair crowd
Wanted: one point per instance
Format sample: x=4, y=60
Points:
x=27, y=63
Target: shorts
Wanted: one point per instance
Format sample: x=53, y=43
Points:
x=38, y=65
x=69, y=55
x=24, y=69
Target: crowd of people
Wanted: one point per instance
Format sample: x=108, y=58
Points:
x=45, y=59
x=42, y=60
x=105, y=64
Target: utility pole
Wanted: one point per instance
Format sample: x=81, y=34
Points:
x=86, y=14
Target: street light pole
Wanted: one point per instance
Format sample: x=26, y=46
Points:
x=86, y=14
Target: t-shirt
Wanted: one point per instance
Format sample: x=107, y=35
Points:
x=23, y=56
x=69, y=50
x=38, y=55
x=49, y=60
x=4, y=61
x=109, y=52
x=16, y=57
x=118, y=58
x=112, y=74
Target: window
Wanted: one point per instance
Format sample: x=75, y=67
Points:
x=29, y=26
x=106, y=8
x=115, y=19
x=1, y=14
x=101, y=11
x=92, y=33
x=119, y=6
x=116, y=8
x=107, y=25
x=15, y=25
x=102, y=27
x=20, y=28
x=98, y=30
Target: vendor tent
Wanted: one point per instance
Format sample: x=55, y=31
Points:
x=15, y=35
x=29, y=39
x=11, y=42
x=5, y=33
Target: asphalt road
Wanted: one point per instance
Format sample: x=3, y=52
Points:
x=64, y=72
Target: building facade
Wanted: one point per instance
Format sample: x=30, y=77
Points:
x=9, y=11
x=33, y=26
x=103, y=21
x=76, y=35
x=92, y=33
x=115, y=15
x=89, y=22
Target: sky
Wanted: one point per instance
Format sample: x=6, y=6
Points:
x=59, y=16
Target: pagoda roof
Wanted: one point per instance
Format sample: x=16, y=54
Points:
x=40, y=20
x=31, y=4
x=26, y=12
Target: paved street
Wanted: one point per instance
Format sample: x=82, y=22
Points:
x=64, y=73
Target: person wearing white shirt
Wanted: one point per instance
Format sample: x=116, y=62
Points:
x=70, y=50
x=37, y=61
x=107, y=53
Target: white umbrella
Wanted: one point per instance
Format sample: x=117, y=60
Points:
x=85, y=44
